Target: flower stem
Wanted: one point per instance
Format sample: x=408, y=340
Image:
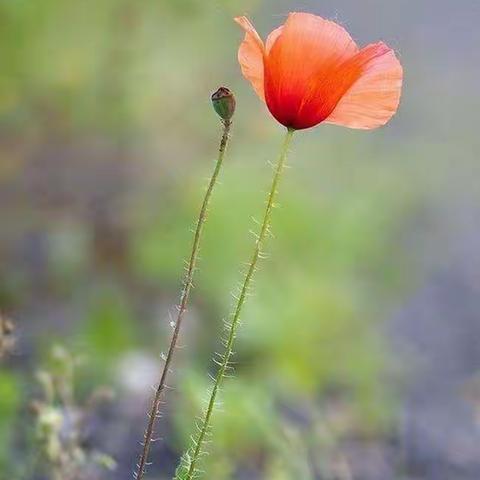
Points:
x=187, y=469
x=187, y=286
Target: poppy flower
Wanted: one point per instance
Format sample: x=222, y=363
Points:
x=311, y=71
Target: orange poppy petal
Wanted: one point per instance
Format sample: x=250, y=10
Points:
x=327, y=89
x=308, y=47
x=272, y=38
x=374, y=98
x=250, y=56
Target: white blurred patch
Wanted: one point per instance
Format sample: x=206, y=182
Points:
x=137, y=372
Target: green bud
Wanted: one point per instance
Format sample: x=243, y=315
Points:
x=224, y=103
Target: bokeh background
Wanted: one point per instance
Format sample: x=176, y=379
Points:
x=359, y=354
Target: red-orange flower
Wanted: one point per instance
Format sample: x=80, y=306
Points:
x=310, y=71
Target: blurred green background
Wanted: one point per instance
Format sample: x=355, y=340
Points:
x=347, y=364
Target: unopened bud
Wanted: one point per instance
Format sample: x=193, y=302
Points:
x=224, y=103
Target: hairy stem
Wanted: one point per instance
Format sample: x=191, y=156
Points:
x=188, y=468
x=182, y=307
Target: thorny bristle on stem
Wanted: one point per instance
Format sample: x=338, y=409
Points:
x=188, y=469
x=224, y=104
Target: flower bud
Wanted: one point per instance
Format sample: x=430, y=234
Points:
x=224, y=103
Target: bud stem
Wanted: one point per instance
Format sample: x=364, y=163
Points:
x=187, y=470
x=187, y=286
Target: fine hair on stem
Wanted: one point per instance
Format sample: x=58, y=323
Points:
x=182, y=306
x=188, y=468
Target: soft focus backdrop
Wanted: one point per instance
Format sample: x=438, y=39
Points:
x=359, y=354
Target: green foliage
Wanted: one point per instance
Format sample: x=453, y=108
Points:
x=60, y=422
x=10, y=396
x=108, y=331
